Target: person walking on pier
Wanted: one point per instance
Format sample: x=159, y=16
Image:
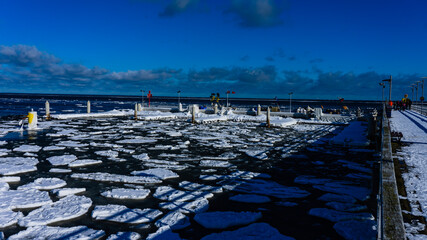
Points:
x=217, y=99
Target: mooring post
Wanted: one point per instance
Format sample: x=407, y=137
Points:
x=47, y=108
x=88, y=106
x=136, y=112
x=32, y=120
x=180, y=107
x=193, y=115
x=139, y=107
x=216, y=108
x=258, y=110
x=268, y=117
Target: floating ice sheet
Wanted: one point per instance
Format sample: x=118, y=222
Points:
x=156, y=172
x=125, y=236
x=108, y=177
x=167, y=193
x=337, y=216
x=199, y=187
x=222, y=220
x=126, y=193
x=67, y=208
x=27, y=148
x=10, y=179
x=59, y=170
x=8, y=218
x=255, y=231
x=84, y=162
x=360, y=193
x=163, y=233
x=331, y=197
x=175, y=220
x=353, y=229
x=47, y=232
x=137, y=141
x=196, y=206
x=61, y=160
x=22, y=199
x=16, y=165
x=215, y=163
x=44, y=184
x=63, y=192
x=122, y=214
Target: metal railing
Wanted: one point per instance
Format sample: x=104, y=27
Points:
x=421, y=108
x=380, y=197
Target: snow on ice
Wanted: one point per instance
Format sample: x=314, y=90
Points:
x=122, y=214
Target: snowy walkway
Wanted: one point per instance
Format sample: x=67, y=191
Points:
x=414, y=129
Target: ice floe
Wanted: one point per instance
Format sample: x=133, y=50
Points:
x=9, y=218
x=17, y=165
x=44, y=184
x=337, y=216
x=47, y=232
x=347, y=207
x=61, y=160
x=10, y=179
x=125, y=236
x=199, y=187
x=59, y=170
x=255, y=231
x=175, y=220
x=163, y=233
x=353, y=229
x=167, y=193
x=196, y=206
x=67, y=208
x=84, y=162
x=53, y=148
x=137, y=141
x=215, y=163
x=250, y=198
x=360, y=193
x=156, y=172
x=108, y=177
x=22, y=199
x=331, y=197
x=4, y=186
x=126, y=193
x=63, y=192
x=222, y=220
x=122, y=214
x=27, y=148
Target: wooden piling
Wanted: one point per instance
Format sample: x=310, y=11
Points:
x=139, y=107
x=258, y=110
x=268, y=117
x=216, y=108
x=88, y=106
x=193, y=115
x=47, y=108
x=136, y=112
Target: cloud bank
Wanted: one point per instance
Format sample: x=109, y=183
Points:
x=27, y=69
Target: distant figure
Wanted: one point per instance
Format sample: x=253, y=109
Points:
x=405, y=102
x=212, y=98
x=409, y=103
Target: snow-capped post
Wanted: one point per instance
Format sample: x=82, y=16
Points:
x=47, y=108
x=268, y=117
x=32, y=120
x=136, y=112
x=139, y=107
x=88, y=106
x=215, y=108
x=258, y=110
x=180, y=107
x=193, y=114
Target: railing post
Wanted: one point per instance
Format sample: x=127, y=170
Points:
x=88, y=106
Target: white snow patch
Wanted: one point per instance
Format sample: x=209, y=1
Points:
x=63, y=192
x=22, y=199
x=156, y=172
x=126, y=193
x=84, y=162
x=108, y=177
x=175, y=220
x=61, y=160
x=196, y=206
x=44, y=184
x=122, y=214
x=8, y=218
x=47, y=232
x=27, y=148
x=167, y=193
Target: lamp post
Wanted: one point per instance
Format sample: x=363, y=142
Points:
x=412, y=88
x=390, y=81
x=290, y=102
x=422, y=94
x=382, y=91
x=416, y=90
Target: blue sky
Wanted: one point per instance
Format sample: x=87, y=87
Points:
x=258, y=48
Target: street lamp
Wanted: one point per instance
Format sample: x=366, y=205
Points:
x=382, y=91
x=412, y=87
x=422, y=94
x=290, y=101
x=142, y=97
x=416, y=88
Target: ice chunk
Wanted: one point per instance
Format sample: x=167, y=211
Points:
x=85, y=162
x=61, y=160
x=196, y=206
x=175, y=220
x=108, y=177
x=8, y=218
x=27, y=148
x=73, y=144
x=199, y=187
x=108, y=153
x=10, y=179
x=16, y=165
x=67, y=208
x=137, y=141
x=142, y=157
x=125, y=236
x=53, y=148
x=44, y=184
x=163, y=233
x=255, y=231
x=126, y=193
x=47, y=232
x=269, y=188
x=21, y=199
x=354, y=229
x=59, y=170
x=337, y=216
x=170, y=194
x=63, y=192
x=250, y=198
x=222, y=220
x=360, y=193
x=4, y=186
x=215, y=163
x=347, y=207
x=122, y=214
x=156, y=172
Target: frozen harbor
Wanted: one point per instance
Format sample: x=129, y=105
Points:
x=412, y=154
x=112, y=177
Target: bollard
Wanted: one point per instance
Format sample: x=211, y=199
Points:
x=139, y=107
x=136, y=112
x=88, y=106
x=47, y=108
x=268, y=117
x=318, y=113
x=193, y=115
x=32, y=120
x=180, y=107
x=215, y=108
x=258, y=110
